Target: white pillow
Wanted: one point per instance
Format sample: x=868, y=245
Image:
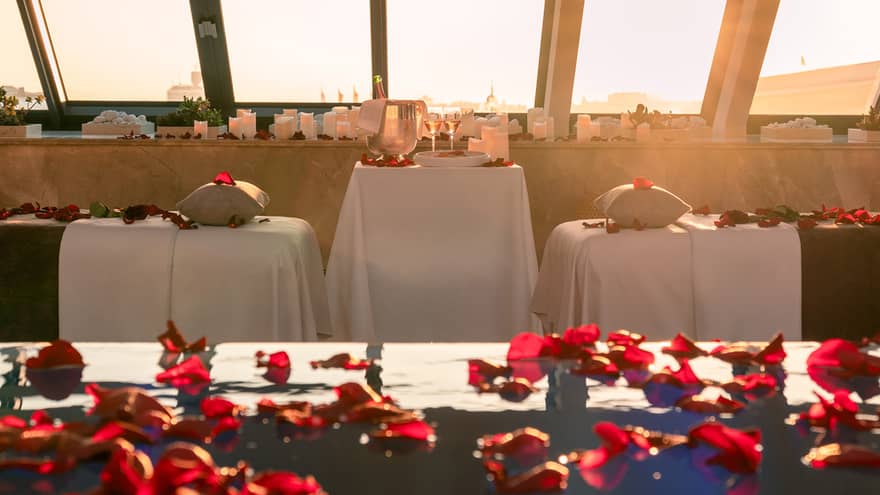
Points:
x=222, y=204
x=652, y=206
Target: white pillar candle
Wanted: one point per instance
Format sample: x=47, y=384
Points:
x=343, y=129
x=307, y=125
x=479, y=122
x=353, y=116
x=533, y=115
x=249, y=125
x=502, y=144
x=539, y=129
x=502, y=120
x=200, y=127
x=235, y=126
x=329, y=128
x=489, y=135
x=475, y=144
x=467, y=127
x=514, y=128
x=289, y=111
x=242, y=111
x=583, y=128
x=285, y=126
x=551, y=129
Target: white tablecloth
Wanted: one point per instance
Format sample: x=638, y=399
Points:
x=638, y=280
x=747, y=279
x=262, y=281
x=433, y=254
x=739, y=283
x=114, y=280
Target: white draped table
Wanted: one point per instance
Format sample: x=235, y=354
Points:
x=433, y=254
x=638, y=280
x=261, y=281
x=737, y=283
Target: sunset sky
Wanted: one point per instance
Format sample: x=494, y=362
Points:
x=287, y=50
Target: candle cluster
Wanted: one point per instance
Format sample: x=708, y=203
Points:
x=339, y=123
x=494, y=134
x=244, y=124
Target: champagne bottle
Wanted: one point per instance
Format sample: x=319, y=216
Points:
x=379, y=89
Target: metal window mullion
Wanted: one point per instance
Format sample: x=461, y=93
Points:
x=544, y=53
x=213, y=55
x=41, y=54
x=379, y=42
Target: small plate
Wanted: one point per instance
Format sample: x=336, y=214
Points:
x=458, y=158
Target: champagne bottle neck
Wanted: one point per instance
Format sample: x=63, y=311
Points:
x=379, y=88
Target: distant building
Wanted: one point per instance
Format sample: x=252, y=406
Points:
x=491, y=103
x=621, y=102
x=192, y=90
x=842, y=90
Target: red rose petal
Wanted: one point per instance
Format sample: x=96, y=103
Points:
x=596, y=366
x=699, y=405
x=41, y=418
x=127, y=472
x=218, y=407
x=738, y=450
x=57, y=353
x=625, y=337
x=773, y=353
x=278, y=359
x=703, y=210
x=806, y=223
x=13, y=422
x=549, y=477
x=642, y=183
x=525, y=345
x=681, y=347
x=356, y=393
x=344, y=361
x=189, y=372
x=630, y=357
x=224, y=178
x=615, y=439
x=282, y=483
x=413, y=430
x=584, y=335
x=527, y=445
x=842, y=455
x=172, y=341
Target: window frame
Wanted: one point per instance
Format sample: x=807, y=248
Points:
x=214, y=64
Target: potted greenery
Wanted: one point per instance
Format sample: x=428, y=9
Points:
x=868, y=129
x=181, y=121
x=12, y=117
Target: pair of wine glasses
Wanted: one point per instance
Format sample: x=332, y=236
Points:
x=447, y=120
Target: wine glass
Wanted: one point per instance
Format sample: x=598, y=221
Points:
x=452, y=119
x=433, y=122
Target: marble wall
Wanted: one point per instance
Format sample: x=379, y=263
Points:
x=308, y=180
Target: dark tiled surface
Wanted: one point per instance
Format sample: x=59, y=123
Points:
x=29, y=281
